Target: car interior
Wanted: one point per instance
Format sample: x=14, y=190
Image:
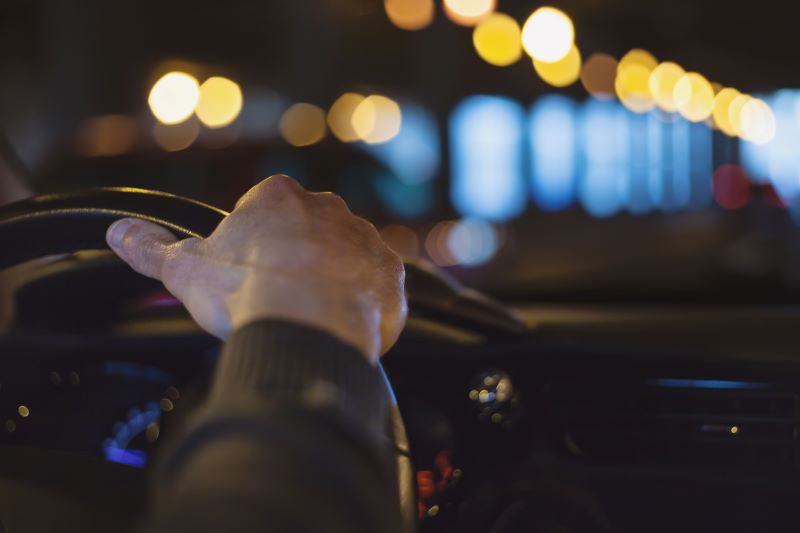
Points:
x=600, y=239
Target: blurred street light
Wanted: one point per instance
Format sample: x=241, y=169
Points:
x=497, y=40
x=548, y=34
x=563, y=72
x=174, y=97
x=220, y=102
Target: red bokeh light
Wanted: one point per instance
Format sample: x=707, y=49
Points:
x=731, y=186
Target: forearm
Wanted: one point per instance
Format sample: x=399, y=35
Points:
x=290, y=440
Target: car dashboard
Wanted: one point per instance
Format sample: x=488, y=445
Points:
x=591, y=419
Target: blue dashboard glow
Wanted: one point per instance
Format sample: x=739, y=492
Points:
x=486, y=144
x=605, y=186
x=136, y=371
x=116, y=449
x=135, y=458
x=705, y=384
x=553, y=138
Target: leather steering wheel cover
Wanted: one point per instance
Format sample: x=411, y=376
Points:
x=64, y=223
x=71, y=222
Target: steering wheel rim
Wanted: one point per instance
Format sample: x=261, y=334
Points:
x=70, y=222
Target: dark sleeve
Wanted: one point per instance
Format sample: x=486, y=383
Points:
x=291, y=440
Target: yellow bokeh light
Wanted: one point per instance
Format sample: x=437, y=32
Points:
x=633, y=88
x=340, y=116
x=757, y=123
x=735, y=112
x=721, y=111
x=107, y=135
x=377, y=119
x=694, y=97
x=561, y=73
x=410, y=14
x=662, y=84
x=220, y=102
x=176, y=137
x=597, y=75
x=640, y=57
x=548, y=34
x=632, y=82
x=497, y=40
x=468, y=12
x=173, y=97
x=302, y=124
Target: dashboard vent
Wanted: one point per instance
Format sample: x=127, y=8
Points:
x=681, y=423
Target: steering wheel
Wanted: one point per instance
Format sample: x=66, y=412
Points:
x=70, y=222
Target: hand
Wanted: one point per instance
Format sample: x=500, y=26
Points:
x=282, y=253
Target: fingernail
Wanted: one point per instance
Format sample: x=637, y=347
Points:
x=117, y=231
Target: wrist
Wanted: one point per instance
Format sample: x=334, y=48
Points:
x=344, y=312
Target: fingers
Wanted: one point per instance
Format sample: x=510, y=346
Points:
x=143, y=245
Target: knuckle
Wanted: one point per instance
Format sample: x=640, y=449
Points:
x=333, y=200
x=283, y=183
x=272, y=189
x=366, y=227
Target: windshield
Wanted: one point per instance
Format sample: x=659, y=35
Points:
x=583, y=151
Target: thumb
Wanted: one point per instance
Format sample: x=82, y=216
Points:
x=141, y=244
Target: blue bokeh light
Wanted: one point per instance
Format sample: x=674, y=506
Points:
x=414, y=155
x=778, y=161
x=553, y=143
x=486, y=145
x=605, y=184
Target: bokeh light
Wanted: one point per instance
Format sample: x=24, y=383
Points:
x=548, y=34
x=563, y=72
x=414, y=154
x=468, y=12
x=662, y=84
x=403, y=240
x=632, y=82
x=497, y=40
x=176, y=137
x=731, y=186
x=735, y=112
x=174, y=97
x=487, y=158
x=694, y=97
x=637, y=56
x=721, y=111
x=220, y=102
x=633, y=88
x=554, y=145
x=302, y=124
x=605, y=176
x=472, y=242
x=377, y=119
x=598, y=74
x=106, y=135
x=757, y=123
x=410, y=14
x=436, y=244
x=340, y=116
